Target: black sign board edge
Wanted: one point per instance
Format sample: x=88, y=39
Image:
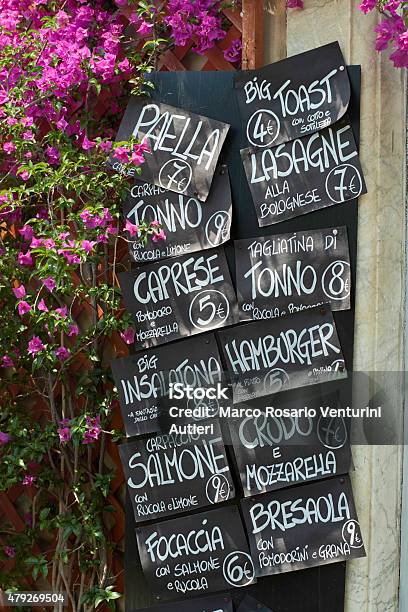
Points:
x=211, y=93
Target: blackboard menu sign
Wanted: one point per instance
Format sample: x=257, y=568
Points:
x=302, y=527
x=287, y=273
x=305, y=174
x=249, y=604
x=265, y=357
x=184, y=147
x=143, y=381
x=294, y=97
x=169, y=474
x=180, y=297
x=217, y=603
x=274, y=452
x=196, y=554
x=190, y=225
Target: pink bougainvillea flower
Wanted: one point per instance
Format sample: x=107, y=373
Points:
x=23, y=307
x=42, y=306
x=294, y=4
x=25, y=259
x=7, y=362
x=62, y=124
x=62, y=312
x=64, y=434
x=400, y=58
x=106, y=145
x=88, y=144
x=49, y=243
x=128, y=335
x=4, y=438
x=159, y=236
x=137, y=158
x=49, y=283
x=71, y=258
x=88, y=219
x=9, y=551
x=121, y=154
x=144, y=28
x=73, y=329
x=155, y=223
x=62, y=353
x=24, y=175
x=102, y=239
x=53, y=155
x=19, y=292
x=29, y=480
x=93, y=430
x=234, y=52
x=367, y=5
x=131, y=228
x=35, y=243
x=35, y=346
x=26, y=232
x=88, y=245
x=124, y=65
x=9, y=147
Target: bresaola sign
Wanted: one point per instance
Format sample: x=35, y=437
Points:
x=185, y=147
x=294, y=97
x=287, y=273
x=218, y=603
x=274, y=452
x=143, y=381
x=265, y=357
x=190, y=225
x=196, y=554
x=305, y=174
x=303, y=527
x=169, y=474
x=180, y=297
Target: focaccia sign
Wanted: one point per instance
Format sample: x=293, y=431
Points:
x=287, y=273
x=265, y=357
x=294, y=97
x=143, y=381
x=305, y=174
x=169, y=474
x=184, y=147
x=190, y=225
x=302, y=527
x=180, y=297
x=196, y=554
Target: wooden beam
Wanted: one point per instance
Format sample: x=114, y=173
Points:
x=252, y=34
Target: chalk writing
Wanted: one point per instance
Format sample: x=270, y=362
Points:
x=287, y=273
